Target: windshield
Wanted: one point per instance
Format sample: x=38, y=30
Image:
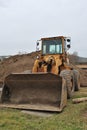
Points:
x=52, y=46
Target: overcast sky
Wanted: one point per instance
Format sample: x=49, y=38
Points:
x=23, y=22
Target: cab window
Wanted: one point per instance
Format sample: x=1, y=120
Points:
x=52, y=46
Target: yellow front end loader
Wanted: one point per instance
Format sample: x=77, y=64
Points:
x=49, y=84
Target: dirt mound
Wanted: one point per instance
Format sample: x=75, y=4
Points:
x=17, y=64
x=20, y=63
x=84, y=78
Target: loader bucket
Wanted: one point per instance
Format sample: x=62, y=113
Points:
x=35, y=91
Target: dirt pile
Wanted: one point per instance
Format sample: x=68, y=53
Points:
x=17, y=64
x=20, y=63
x=84, y=78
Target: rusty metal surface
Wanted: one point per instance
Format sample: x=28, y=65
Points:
x=52, y=38
x=41, y=91
x=38, y=107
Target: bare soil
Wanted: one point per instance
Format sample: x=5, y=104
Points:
x=16, y=64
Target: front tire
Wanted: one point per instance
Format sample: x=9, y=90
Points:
x=68, y=76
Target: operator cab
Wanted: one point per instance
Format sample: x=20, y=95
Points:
x=52, y=46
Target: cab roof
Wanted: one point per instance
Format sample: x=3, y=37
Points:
x=52, y=38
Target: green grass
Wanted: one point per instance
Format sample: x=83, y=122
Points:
x=72, y=118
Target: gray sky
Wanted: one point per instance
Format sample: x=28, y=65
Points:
x=23, y=22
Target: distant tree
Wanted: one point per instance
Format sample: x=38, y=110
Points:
x=74, y=57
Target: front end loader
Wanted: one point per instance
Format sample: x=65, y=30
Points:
x=44, y=88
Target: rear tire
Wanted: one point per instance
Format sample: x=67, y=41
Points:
x=76, y=79
x=68, y=76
